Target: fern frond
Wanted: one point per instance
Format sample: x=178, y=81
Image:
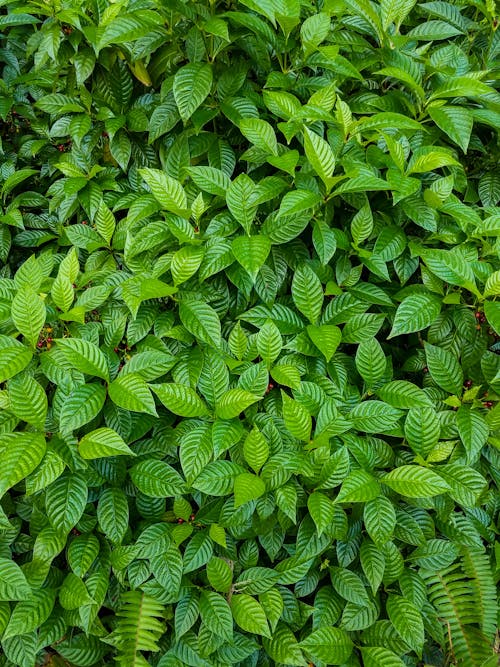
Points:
x=478, y=568
x=464, y=597
x=138, y=629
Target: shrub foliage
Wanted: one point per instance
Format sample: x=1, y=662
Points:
x=248, y=333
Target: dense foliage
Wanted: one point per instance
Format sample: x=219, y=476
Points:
x=249, y=327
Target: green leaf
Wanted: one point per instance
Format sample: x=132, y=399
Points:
x=297, y=419
x=328, y=644
x=380, y=519
x=370, y=361
x=473, y=431
x=217, y=478
x=286, y=375
x=233, y=402
x=408, y=621
x=320, y=156
x=249, y=615
x=444, y=368
x=324, y=241
x=101, y=443
x=297, y=201
x=28, y=313
x=180, y=400
x=105, y=222
x=247, y=487
x=185, y=263
x=260, y=133
x=374, y=416
x=202, y=321
x=211, y=180
x=73, y=593
x=326, y=337
x=422, y=430
x=307, y=293
x=82, y=552
x=414, y=313
x=314, y=30
x=216, y=614
x=415, y=482
x=157, y=479
x=219, y=574
x=131, y=392
x=466, y=484
x=14, y=357
x=84, y=356
x=251, y=252
x=81, y=405
x=403, y=394
x=13, y=584
x=255, y=449
x=349, y=585
x=394, y=11
x=373, y=564
x=113, y=514
x=451, y=267
x=492, y=312
x=269, y=342
x=30, y=613
x=241, y=198
x=28, y=400
x=321, y=510
x=376, y=656
x=20, y=454
x=192, y=84
x=67, y=498
x=358, y=486
x=455, y=121
x=283, y=647
x=168, y=192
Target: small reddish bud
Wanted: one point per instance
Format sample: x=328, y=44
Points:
x=179, y=520
x=468, y=384
x=425, y=369
x=477, y=315
x=478, y=327
x=39, y=344
x=105, y=134
x=84, y=222
x=115, y=349
x=49, y=340
x=192, y=517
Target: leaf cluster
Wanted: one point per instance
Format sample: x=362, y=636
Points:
x=249, y=333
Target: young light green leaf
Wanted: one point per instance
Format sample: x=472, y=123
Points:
x=233, y=402
x=101, y=443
